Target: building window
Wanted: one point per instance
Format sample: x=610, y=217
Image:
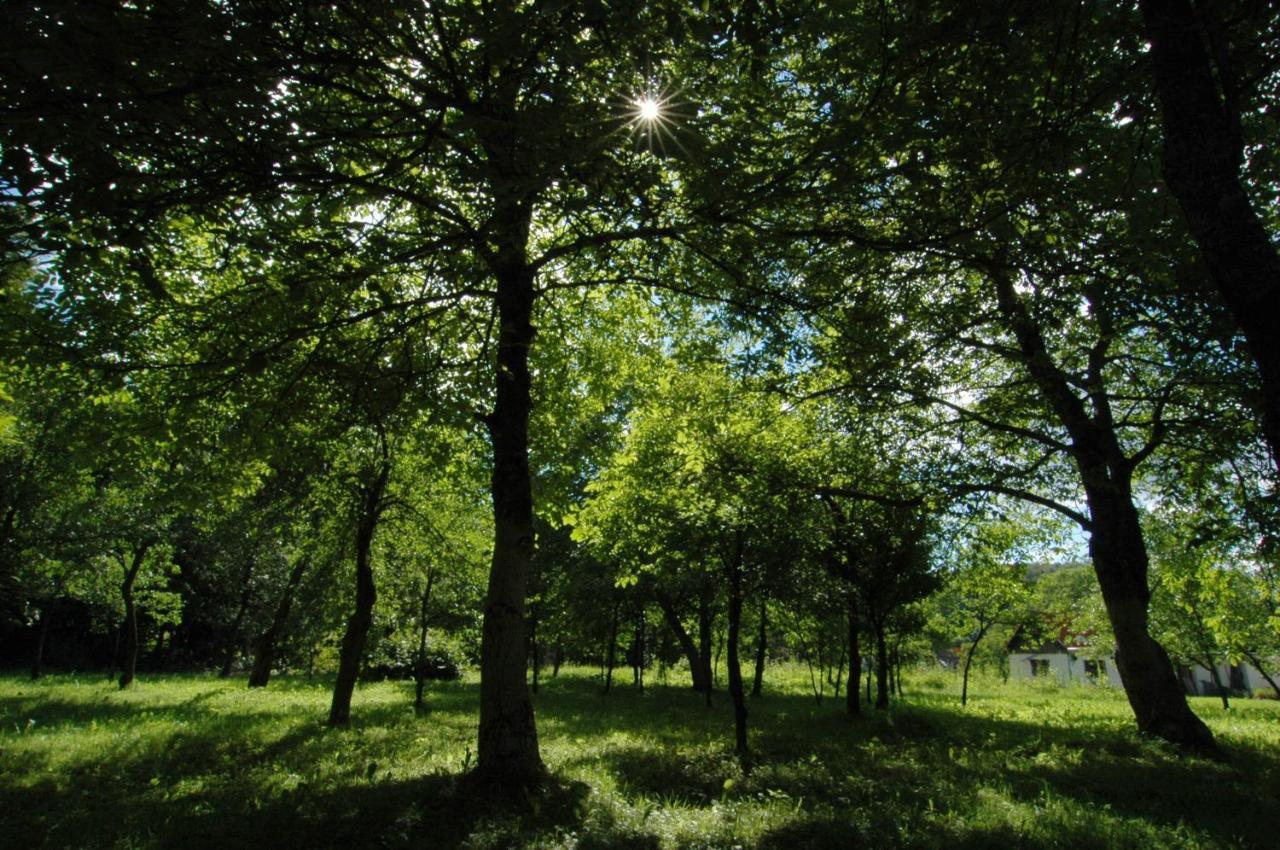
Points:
x=1039, y=666
x=1095, y=669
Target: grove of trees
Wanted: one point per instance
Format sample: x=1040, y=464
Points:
x=380, y=338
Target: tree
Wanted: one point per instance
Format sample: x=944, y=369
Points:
x=1211, y=67
x=983, y=591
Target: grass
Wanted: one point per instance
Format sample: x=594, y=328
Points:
x=191, y=761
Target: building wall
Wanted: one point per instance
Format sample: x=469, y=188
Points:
x=1064, y=667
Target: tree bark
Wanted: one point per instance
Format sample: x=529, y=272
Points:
x=535, y=654
x=129, y=629
x=736, y=691
x=1203, y=152
x=507, y=753
x=420, y=668
x=353, y=640
x=233, y=642
x=851, y=703
x=697, y=666
x=1120, y=562
x=264, y=648
x=762, y=644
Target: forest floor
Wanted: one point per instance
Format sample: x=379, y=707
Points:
x=195, y=762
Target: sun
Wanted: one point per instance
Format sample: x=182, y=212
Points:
x=648, y=109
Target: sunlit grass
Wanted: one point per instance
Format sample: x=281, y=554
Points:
x=198, y=762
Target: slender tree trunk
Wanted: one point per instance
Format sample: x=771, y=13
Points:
x=1217, y=681
x=507, y=753
x=611, y=651
x=736, y=691
x=762, y=644
x=233, y=643
x=897, y=666
x=1257, y=665
x=638, y=640
x=968, y=660
x=420, y=669
x=706, y=620
x=869, y=672
x=1203, y=153
x=882, y=666
x=353, y=640
x=851, y=704
x=37, y=657
x=129, y=629
x=264, y=648
x=557, y=658
x=697, y=666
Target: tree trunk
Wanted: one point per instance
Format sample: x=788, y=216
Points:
x=762, y=643
x=420, y=669
x=264, y=648
x=1120, y=562
x=1217, y=681
x=507, y=752
x=697, y=667
x=1203, y=152
x=129, y=629
x=37, y=657
x=353, y=640
x=851, y=704
x=968, y=660
x=638, y=660
x=736, y=691
x=706, y=619
x=882, y=666
x=557, y=658
x=611, y=651
x=535, y=654
x=233, y=643
x=1257, y=665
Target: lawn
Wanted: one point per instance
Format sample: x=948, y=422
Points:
x=192, y=761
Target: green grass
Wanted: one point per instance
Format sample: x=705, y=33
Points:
x=195, y=762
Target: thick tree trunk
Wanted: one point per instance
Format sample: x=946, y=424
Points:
x=37, y=657
x=420, y=668
x=535, y=653
x=507, y=753
x=736, y=691
x=353, y=640
x=264, y=648
x=851, y=704
x=697, y=665
x=1120, y=562
x=129, y=629
x=233, y=642
x=762, y=644
x=882, y=667
x=1203, y=152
